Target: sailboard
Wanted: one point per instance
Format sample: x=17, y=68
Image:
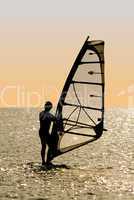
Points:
x=80, y=110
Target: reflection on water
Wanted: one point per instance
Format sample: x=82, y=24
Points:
x=101, y=170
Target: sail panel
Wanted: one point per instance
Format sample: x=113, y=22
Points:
x=90, y=53
x=88, y=73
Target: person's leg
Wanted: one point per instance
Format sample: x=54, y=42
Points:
x=43, y=146
x=43, y=149
x=49, y=155
x=50, y=147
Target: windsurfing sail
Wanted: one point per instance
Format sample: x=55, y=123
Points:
x=80, y=110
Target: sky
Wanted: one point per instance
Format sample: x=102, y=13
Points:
x=40, y=39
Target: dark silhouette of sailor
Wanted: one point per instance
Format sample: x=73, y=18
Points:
x=45, y=118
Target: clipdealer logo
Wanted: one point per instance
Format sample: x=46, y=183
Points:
x=22, y=97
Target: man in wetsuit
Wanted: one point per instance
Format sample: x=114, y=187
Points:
x=45, y=118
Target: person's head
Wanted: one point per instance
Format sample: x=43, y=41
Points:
x=48, y=106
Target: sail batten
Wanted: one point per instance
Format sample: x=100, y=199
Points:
x=85, y=82
x=75, y=105
x=80, y=134
x=92, y=62
x=84, y=124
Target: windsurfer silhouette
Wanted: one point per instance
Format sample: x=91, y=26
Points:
x=46, y=118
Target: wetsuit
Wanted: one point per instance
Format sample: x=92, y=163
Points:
x=45, y=122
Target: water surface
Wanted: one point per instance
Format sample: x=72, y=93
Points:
x=101, y=170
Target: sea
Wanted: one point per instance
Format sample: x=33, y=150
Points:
x=101, y=170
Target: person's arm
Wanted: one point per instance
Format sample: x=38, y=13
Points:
x=39, y=116
x=53, y=118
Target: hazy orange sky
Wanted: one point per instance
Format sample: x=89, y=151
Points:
x=39, y=41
